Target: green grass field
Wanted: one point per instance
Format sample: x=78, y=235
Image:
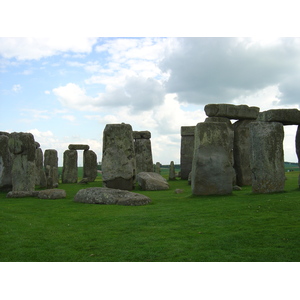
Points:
x=174, y=227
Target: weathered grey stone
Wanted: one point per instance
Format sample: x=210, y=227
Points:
x=70, y=168
x=212, y=170
x=186, y=150
x=152, y=181
x=238, y=112
x=39, y=168
x=118, y=159
x=22, y=146
x=284, y=116
x=231, y=138
x=90, y=165
x=297, y=142
x=78, y=147
x=141, y=134
x=172, y=175
x=241, y=151
x=52, y=194
x=22, y=194
x=5, y=164
x=98, y=195
x=51, y=167
x=266, y=157
x=157, y=168
x=143, y=153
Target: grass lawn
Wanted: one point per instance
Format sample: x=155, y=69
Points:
x=174, y=227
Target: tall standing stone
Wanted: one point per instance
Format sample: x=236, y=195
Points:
x=39, y=165
x=143, y=151
x=70, y=168
x=212, y=170
x=118, y=159
x=157, y=168
x=22, y=146
x=298, y=149
x=186, y=150
x=89, y=165
x=5, y=163
x=51, y=167
x=266, y=157
x=241, y=152
x=172, y=175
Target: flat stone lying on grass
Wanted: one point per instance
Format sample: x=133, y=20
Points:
x=152, y=181
x=102, y=195
x=44, y=194
x=52, y=194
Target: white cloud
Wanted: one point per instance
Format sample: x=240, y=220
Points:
x=36, y=48
x=47, y=92
x=69, y=118
x=16, y=88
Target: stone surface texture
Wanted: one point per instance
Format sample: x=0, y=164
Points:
x=52, y=194
x=230, y=111
x=90, y=165
x=172, y=174
x=212, y=170
x=186, y=150
x=152, y=181
x=78, y=147
x=22, y=146
x=241, y=150
x=5, y=163
x=51, y=167
x=70, y=168
x=98, y=195
x=118, y=159
x=284, y=116
x=266, y=157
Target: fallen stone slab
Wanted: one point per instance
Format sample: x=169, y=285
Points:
x=152, y=181
x=102, y=195
x=78, y=147
x=284, y=116
x=52, y=194
x=22, y=194
x=230, y=111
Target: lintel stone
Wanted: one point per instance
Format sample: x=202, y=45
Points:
x=284, y=116
x=78, y=147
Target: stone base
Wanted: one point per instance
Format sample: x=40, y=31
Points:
x=120, y=183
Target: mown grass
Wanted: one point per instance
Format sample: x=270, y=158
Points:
x=174, y=227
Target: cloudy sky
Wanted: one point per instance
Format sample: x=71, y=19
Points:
x=65, y=90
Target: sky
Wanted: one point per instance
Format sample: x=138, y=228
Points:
x=64, y=90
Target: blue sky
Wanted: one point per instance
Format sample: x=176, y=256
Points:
x=65, y=90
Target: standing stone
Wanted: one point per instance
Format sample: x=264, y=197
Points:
x=70, y=168
x=157, y=168
x=186, y=150
x=266, y=157
x=212, y=170
x=143, y=152
x=39, y=166
x=5, y=163
x=51, y=167
x=89, y=165
x=172, y=175
x=22, y=146
x=298, y=149
x=241, y=151
x=118, y=159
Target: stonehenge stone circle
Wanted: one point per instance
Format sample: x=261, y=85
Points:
x=22, y=146
x=70, y=168
x=102, y=195
x=186, y=150
x=230, y=111
x=284, y=116
x=266, y=157
x=143, y=151
x=89, y=165
x=5, y=163
x=118, y=159
x=212, y=170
